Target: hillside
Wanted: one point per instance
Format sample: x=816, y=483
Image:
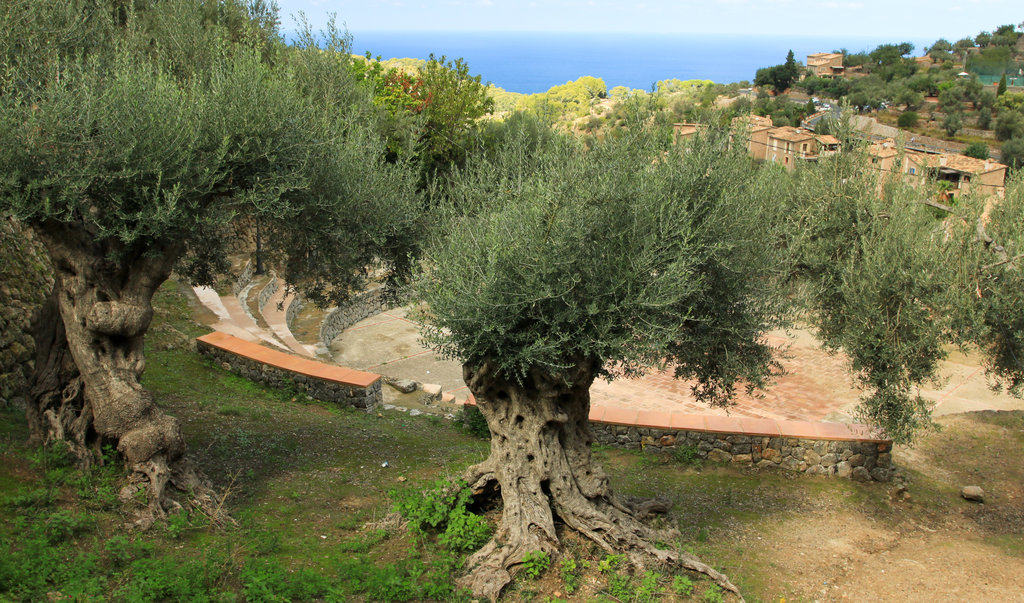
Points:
x=310, y=487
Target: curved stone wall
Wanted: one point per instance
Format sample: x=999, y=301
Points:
x=359, y=306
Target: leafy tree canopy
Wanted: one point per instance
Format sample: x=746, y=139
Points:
x=619, y=255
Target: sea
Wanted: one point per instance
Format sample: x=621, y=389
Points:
x=531, y=62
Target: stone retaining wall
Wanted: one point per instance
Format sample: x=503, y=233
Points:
x=293, y=309
x=244, y=278
x=25, y=280
x=360, y=306
x=267, y=292
x=859, y=460
x=278, y=369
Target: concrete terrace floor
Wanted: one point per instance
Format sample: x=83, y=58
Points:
x=816, y=386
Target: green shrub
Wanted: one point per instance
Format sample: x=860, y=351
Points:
x=714, y=594
x=570, y=575
x=474, y=422
x=649, y=589
x=442, y=510
x=682, y=585
x=265, y=581
x=978, y=150
x=907, y=119
x=686, y=455
x=620, y=587
x=535, y=563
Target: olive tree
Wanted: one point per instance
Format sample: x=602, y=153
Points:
x=562, y=265
x=129, y=140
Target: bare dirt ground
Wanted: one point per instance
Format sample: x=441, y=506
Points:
x=933, y=546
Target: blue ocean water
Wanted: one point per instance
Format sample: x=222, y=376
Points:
x=531, y=62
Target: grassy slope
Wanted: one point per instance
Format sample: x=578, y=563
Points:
x=304, y=479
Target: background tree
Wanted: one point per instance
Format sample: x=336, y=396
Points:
x=1009, y=125
x=1001, y=89
x=130, y=138
x=455, y=102
x=940, y=50
x=952, y=123
x=779, y=77
x=1012, y=153
x=907, y=119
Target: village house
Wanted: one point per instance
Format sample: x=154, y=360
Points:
x=787, y=145
x=962, y=173
x=826, y=64
x=756, y=128
x=685, y=130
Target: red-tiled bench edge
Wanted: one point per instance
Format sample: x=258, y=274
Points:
x=322, y=381
x=850, y=451
x=678, y=421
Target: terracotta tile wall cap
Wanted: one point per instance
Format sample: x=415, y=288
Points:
x=288, y=362
x=720, y=424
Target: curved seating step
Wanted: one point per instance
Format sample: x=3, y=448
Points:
x=232, y=317
x=275, y=313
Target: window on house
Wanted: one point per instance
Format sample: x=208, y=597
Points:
x=913, y=171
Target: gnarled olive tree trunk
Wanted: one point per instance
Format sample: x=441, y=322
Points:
x=541, y=461
x=90, y=343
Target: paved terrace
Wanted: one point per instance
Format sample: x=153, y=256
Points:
x=816, y=386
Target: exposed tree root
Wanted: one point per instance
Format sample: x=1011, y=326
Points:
x=540, y=462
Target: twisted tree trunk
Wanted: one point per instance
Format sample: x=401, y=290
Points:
x=90, y=341
x=541, y=462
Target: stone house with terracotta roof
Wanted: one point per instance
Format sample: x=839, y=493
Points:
x=963, y=173
x=787, y=145
x=826, y=64
x=756, y=129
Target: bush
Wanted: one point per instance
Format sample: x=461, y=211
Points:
x=978, y=150
x=474, y=422
x=442, y=510
x=907, y=119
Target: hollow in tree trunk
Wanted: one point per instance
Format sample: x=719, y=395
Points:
x=541, y=461
x=90, y=339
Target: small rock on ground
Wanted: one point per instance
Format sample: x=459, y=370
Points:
x=974, y=493
x=406, y=386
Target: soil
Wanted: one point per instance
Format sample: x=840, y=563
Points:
x=934, y=546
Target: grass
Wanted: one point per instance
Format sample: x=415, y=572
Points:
x=308, y=490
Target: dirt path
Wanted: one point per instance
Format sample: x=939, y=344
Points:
x=932, y=547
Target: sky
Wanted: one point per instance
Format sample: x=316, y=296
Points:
x=905, y=19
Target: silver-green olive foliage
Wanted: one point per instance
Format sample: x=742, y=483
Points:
x=633, y=256
x=624, y=255
x=153, y=125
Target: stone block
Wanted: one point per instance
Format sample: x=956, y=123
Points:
x=719, y=456
x=742, y=458
x=860, y=474
x=844, y=469
x=791, y=464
